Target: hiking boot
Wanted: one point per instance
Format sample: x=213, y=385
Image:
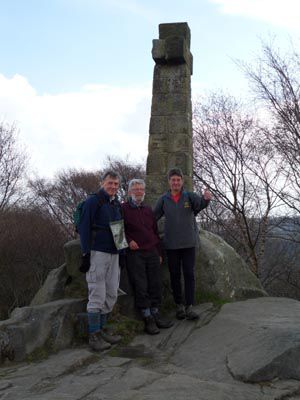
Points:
x=112, y=339
x=190, y=314
x=150, y=326
x=180, y=311
x=97, y=343
x=161, y=322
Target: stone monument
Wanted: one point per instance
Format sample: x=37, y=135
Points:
x=50, y=321
x=170, y=132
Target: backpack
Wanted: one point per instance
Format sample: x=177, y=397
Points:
x=77, y=214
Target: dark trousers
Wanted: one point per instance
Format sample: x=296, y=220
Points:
x=144, y=273
x=185, y=259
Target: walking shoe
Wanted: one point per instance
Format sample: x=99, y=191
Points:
x=150, y=326
x=190, y=314
x=112, y=339
x=180, y=311
x=161, y=322
x=97, y=343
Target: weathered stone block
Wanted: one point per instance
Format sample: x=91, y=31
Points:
x=164, y=104
x=173, y=50
x=157, y=143
x=176, y=50
x=157, y=163
x=159, y=51
x=172, y=84
x=183, y=159
x=180, y=142
x=175, y=29
x=179, y=71
x=156, y=184
x=157, y=125
x=179, y=124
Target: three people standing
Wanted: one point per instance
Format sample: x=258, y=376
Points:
x=100, y=259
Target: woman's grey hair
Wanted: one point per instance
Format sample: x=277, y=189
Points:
x=134, y=182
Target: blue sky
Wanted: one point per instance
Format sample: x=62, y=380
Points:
x=76, y=75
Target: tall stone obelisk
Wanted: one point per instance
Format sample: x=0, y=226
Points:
x=170, y=132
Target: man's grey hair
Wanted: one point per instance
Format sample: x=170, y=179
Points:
x=134, y=182
x=111, y=174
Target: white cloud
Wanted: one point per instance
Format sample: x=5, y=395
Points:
x=282, y=13
x=77, y=129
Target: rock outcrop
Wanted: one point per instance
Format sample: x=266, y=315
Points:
x=49, y=325
x=229, y=354
x=53, y=287
x=221, y=272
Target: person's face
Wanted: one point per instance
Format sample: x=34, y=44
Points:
x=176, y=183
x=137, y=193
x=111, y=185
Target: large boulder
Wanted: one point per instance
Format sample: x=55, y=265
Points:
x=72, y=253
x=53, y=287
x=221, y=272
x=50, y=326
x=77, y=286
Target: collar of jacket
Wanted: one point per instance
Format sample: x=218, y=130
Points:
x=133, y=204
x=168, y=194
x=107, y=197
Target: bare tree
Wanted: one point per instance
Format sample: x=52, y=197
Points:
x=12, y=166
x=276, y=83
x=59, y=197
x=233, y=160
x=31, y=244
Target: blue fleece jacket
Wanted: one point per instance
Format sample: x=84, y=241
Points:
x=98, y=217
x=180, y=229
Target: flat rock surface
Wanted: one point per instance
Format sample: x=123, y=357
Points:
x=214, y=358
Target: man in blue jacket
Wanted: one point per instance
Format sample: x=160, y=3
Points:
x=100, y=258
x=181, y=237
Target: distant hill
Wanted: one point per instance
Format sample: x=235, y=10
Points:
x=281, y=268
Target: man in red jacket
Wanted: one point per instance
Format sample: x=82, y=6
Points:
x=144, y=256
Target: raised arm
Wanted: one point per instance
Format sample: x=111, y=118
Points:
x=199, y=202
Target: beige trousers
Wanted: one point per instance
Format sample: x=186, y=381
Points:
x=103, y=281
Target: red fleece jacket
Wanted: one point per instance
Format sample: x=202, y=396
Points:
x=140, y=226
